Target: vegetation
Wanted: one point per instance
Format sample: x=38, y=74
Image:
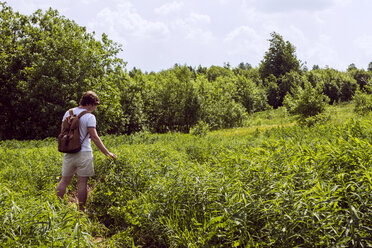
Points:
x=240, y=173
x=48, y=61
x=256, y=186
x=279, y=59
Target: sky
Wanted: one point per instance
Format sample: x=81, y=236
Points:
x=157, y=34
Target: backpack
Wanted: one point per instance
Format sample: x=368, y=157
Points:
x=69, y=138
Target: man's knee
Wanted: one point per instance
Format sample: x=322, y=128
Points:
x=65, y=181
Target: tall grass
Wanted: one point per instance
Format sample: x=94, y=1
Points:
x=269, y=184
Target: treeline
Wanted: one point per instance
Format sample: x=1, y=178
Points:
x=48, y=61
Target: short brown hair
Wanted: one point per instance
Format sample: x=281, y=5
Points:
x=89, y=98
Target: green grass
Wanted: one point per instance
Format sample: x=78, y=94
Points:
x=270, y=183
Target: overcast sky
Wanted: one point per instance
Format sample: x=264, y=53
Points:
x=156, y=34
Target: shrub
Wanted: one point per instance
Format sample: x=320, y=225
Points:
x=200, y=129
x=306, y=102
x=363, y=103
x=312, y=120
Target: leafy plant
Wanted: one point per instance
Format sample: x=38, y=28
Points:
x=200, y=129
x=306, y=102
x=363, y=103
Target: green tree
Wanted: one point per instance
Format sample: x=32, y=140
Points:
x=252, y=97
x=219, y=107
x=352, y=67
x=329, y=80
x=306, y=102
x=370, y=66
x=348, y=87
x=288, y=81
x=279, y=59
x=244, y=66
x=201, y=70
x=216, y=71
x=172, y=102
x=363, y=103
x=315, y=67
x=132, y=91
x=362, y=77
x=48, y=62
x=272, y=91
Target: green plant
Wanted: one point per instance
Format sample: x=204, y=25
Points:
x=200, y=129
x=276, y=186
x=306, y=102
x=363, y=103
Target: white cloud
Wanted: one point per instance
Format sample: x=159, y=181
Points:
x=126, y=21
x=244, y=41
x=364, y=44
x=169, y=8
x=224, y=1
x=88, y=2
x=342, y=2
x=321, y=52
x=199, y=18
x=200, y=35
x=192, y=28
x=28, y=7
x=223, y=30
x=291, y=5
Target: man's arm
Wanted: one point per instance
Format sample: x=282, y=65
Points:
x=96, y=139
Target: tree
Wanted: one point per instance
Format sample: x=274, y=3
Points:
x=48, y=61
x=362, y=77
x=172, y=102
x=218, y=107
x=352, y=67
x=279, y=59
x=216, y=71
x=272, y=92
x=244, y=66
x=315, y=67
x=306, y=102
x=201, y=70
x=370, y=66
x=287, y=82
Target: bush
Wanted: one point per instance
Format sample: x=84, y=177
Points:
x=306, y=102
x=200, y=129
x=312, y=120
x=363, y=103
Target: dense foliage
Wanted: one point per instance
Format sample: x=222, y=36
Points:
x=48, y=61
x=285, y=186
x=279, y=59
x=270, y=184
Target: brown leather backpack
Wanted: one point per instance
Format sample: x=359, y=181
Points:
x=69, y=138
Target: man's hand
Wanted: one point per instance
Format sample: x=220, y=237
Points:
x=111, y=155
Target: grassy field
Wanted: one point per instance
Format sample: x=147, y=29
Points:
x=271, y=183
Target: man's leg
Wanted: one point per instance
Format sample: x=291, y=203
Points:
x=62, y=185
x=82, y=192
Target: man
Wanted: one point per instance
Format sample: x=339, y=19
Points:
x=82, y=161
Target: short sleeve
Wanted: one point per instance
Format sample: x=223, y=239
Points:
x=65, y=116
x=91, y=121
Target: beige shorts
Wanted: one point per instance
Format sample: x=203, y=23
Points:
x=81, y=163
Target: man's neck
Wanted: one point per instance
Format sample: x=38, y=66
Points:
x=88, y=108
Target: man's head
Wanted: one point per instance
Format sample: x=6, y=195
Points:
x=89, y=98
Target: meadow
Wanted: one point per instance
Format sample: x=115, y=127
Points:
x=271, y=183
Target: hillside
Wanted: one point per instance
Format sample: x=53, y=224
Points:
x=270, y=183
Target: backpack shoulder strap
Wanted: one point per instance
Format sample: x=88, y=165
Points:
x=83, y=113
x=71, y=111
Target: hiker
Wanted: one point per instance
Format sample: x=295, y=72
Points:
x=81, y=162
